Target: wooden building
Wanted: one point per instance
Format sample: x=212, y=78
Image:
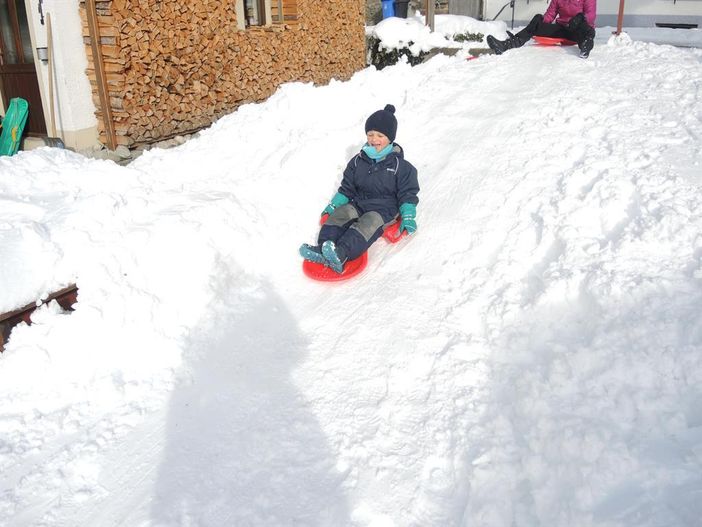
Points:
x=153, y=69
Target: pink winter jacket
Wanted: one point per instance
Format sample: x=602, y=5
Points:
x=563, y=10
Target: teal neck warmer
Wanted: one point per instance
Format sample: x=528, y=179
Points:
x=374, y=154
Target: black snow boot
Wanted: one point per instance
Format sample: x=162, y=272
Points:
x=586, y=47
x=584, y=34
x=500, y=46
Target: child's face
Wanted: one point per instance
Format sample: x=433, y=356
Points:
x=377, y=140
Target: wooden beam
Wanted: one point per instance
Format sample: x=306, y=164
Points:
x=620, y=18
x=50, y=45
x=66, y=297
x=94, y=29
x=430, y=14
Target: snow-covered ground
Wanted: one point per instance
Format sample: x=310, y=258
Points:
x=531, y=357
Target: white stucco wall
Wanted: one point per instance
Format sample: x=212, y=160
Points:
x=74, y=109
x=637, y=12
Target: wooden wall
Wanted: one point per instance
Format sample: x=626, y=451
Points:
x=173, y=67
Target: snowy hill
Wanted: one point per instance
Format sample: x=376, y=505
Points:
x=531, y=357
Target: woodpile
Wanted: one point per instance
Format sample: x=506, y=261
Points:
x=174, y=67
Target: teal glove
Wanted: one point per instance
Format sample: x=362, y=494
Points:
x=408, y=211
x=337, y=201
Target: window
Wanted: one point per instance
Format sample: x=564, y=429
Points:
x=256, y=12
x=283, y=11
x=15, y=43
x=253, y=13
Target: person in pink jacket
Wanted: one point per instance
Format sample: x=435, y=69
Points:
x=570, y=19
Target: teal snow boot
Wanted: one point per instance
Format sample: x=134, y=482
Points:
x=312, y=253
x=332, y=255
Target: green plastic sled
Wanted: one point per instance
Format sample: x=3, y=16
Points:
x=13, y=126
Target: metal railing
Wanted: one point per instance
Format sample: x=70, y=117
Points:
x=510, y=4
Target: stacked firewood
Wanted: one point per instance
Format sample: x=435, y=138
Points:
x=174, y=67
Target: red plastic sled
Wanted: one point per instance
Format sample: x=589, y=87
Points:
x=392, y=233
x=318, y=271
x=321, y=272
x=553, y=41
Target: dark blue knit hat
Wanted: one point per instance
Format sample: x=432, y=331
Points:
x=383, y=121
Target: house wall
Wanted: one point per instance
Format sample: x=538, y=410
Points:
x=174, y=67
x=74, y=111
x=637, y=13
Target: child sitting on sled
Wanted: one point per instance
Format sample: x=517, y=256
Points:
x=570, y=19
x=377, y=186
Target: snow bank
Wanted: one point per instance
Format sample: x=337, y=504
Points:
x=530, y=357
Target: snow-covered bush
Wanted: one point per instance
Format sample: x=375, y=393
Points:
x=379, y=56
x=468, y=37
x=393, y=38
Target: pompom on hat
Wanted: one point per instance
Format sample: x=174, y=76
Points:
x=383, y=121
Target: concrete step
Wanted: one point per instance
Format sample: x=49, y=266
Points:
x=31, y=142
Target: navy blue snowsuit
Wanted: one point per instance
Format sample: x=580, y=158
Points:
x=375, y=191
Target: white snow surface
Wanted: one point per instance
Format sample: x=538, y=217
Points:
x=530, y=357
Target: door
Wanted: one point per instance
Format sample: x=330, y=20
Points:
x=18, y=76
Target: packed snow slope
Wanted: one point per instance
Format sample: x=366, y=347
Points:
x=531, y=357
